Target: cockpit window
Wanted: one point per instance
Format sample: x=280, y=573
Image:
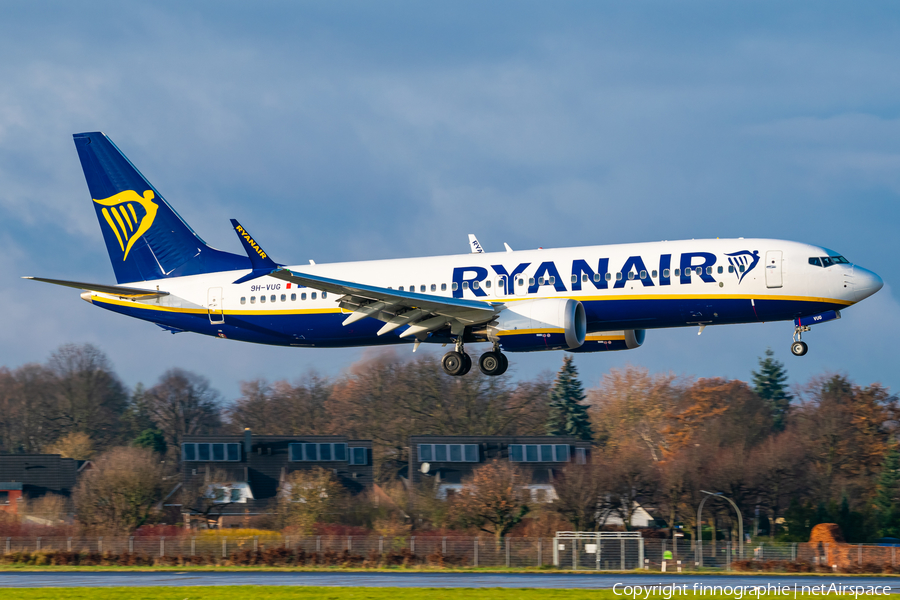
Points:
x=827, y=261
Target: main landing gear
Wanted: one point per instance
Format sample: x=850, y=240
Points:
x=799, y=347
x=457, y=363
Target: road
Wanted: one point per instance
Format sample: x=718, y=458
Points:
x=435, y=580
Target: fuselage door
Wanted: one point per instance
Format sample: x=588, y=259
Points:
x=521, y=285
x=500, y=287
x=216, y=314
x=773, y=269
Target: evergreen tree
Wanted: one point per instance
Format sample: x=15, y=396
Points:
x=567, y=415
x=151, y=439
x=887, y=511
x=770, y=385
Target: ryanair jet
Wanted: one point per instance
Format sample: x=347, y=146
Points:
x=586, y=299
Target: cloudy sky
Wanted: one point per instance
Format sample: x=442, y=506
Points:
x=347, y=130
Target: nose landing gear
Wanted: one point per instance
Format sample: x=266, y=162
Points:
x=799, y=347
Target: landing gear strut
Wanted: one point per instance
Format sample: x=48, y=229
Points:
x=799, y=347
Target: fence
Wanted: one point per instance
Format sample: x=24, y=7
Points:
x=604, y=551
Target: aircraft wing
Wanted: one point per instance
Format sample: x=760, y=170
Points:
x=423, y=313
x=112, y=290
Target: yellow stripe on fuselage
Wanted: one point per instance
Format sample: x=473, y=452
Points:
x=203, y=311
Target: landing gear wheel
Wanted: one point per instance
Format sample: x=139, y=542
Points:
x=454, y=363
x=799, y=348
x=491, y=364
x=467, y=364
x=505, y=363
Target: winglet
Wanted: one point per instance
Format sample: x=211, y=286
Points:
x=474, y=245
x=258, y=257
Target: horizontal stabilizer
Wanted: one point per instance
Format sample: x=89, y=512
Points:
x=112, y=290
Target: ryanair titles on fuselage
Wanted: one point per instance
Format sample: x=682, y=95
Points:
x=547, y=273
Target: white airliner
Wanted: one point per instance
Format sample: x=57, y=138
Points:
x=585, y=299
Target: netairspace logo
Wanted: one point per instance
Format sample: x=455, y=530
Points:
x=673, y=590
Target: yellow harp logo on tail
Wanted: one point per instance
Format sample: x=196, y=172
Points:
x=123, y=219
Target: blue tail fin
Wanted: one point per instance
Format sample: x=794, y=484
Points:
x=145, y=238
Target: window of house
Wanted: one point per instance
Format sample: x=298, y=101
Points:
x=581, y=455
x=539, y=452
x=4, y=497
x=313, y=452
x=359, y=456
x=448, y=452
x=219, y=452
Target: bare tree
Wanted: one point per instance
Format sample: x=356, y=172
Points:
x=579, y=490
x=120, y=493
x=307, y=497
x=492, y=499
x=207, y=496
x=281, y=408
x=182, y=403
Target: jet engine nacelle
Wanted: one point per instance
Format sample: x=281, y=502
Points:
x=535, y=325
x=606, y=341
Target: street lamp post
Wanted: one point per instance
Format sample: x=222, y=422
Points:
x=700, y=525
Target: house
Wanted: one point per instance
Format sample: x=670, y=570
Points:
x=234, y=480
x=449, y=460
x=31, y=476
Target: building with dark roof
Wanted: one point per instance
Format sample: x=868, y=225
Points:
x=244, y=473
x=30, y=476
x=448, y=460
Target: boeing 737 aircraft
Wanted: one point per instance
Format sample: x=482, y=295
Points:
x=585, y=299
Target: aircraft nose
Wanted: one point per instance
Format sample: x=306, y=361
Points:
x=866, y=283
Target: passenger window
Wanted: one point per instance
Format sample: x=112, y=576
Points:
x=584, y=278
x=421, y=288
x=643, y=274
x=443, y=287
x=312, y=296
x=552, y=280
x=741, y=268
x=324, y=295
x=487, y=283
x=730, y=268
x=252, y=299
x=699, y=270
x=521, y=282
x=677, y=272
x=454, y=286
x=433, y=287
x=531, y=281
x=574, y=278
x=597, y=276
x=666, y=273
x=293, y=297
x=272, y=297
x=412, y=288
x=653, y=275
x=243, y=300
x=540, y=281
x=709, y=270
x=475, y=285
x=400, y=288
x=609, y=276
x=720, y=270
x=303, y=296
x=619, y=276
x=465, y=285
x=262, y=299
x=283, y=297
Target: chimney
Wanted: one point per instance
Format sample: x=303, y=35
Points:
x=248, y=440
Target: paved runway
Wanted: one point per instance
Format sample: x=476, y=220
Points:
x=435, y=580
